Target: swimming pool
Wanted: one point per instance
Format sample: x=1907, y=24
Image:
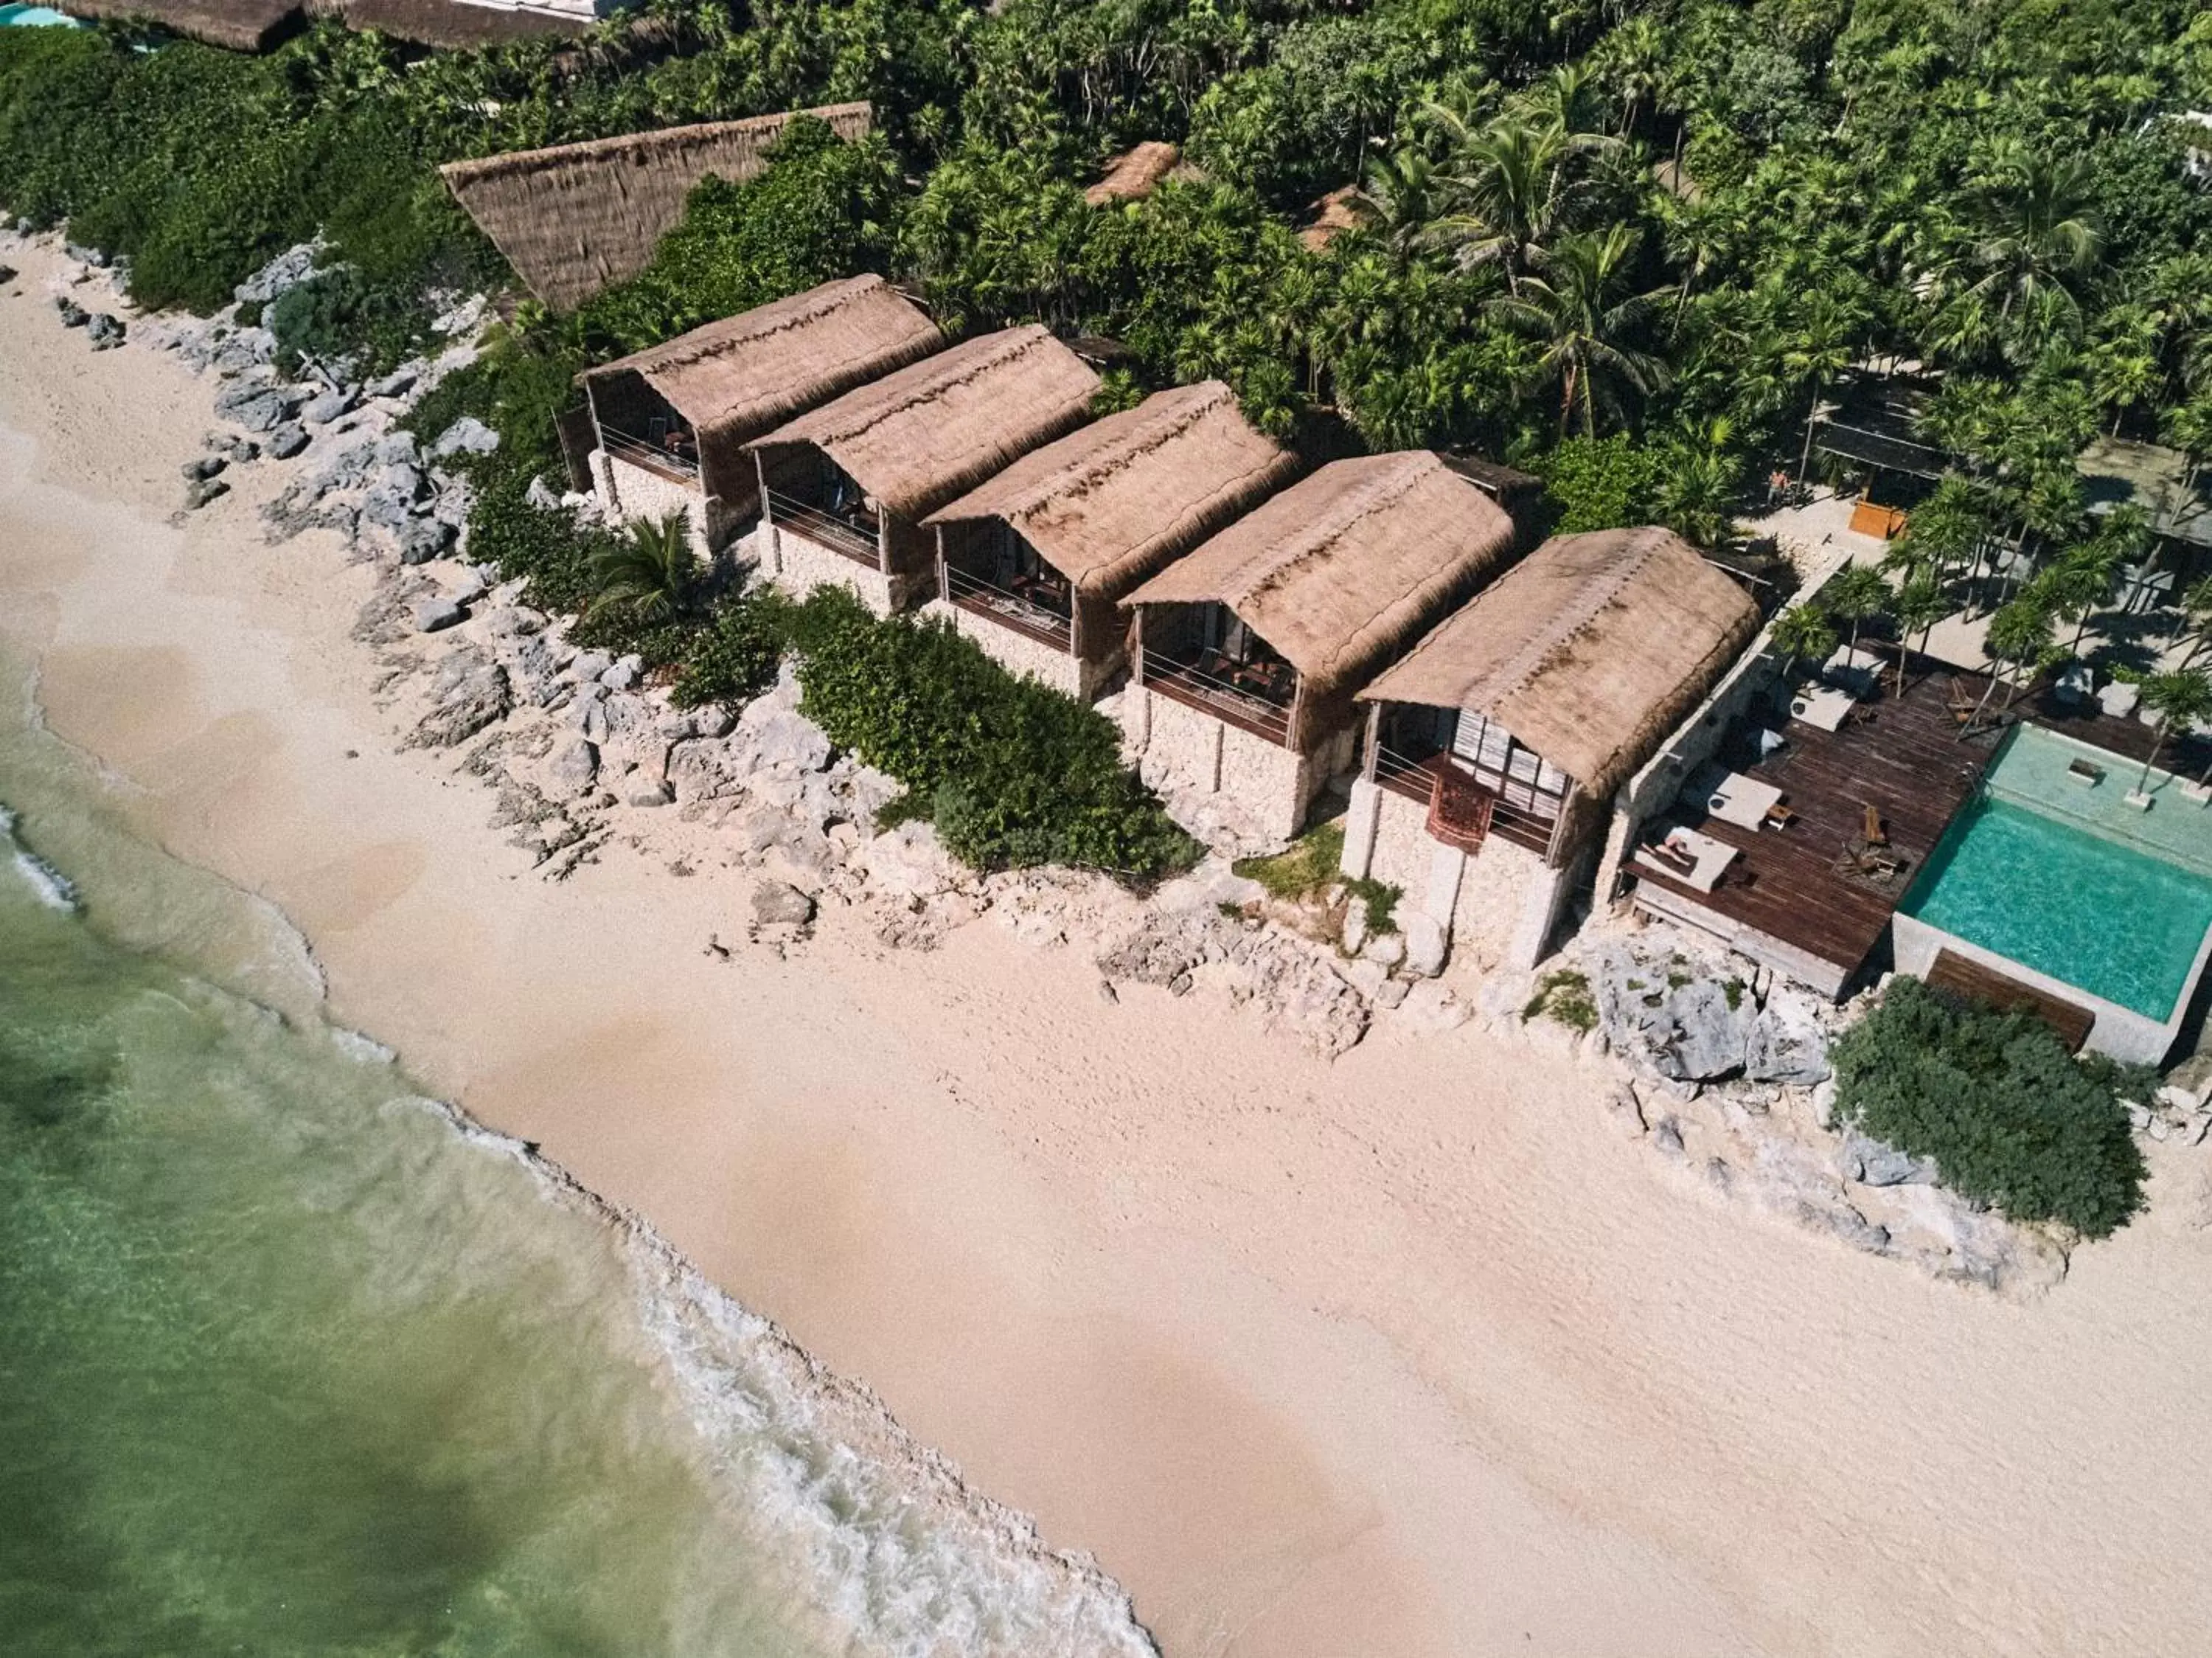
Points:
x=2084, y=909
x=21, y=16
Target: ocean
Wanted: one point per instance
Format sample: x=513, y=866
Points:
x=293, y=1360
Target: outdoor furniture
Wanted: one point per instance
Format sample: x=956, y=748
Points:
x=1822, y=707
x=2120, y=698
x=2085, y=771
x=1858, y=672
x=1731, y=796
x=1872, y=830
x=2074, y=685
x=1779, y=816
x=1708, y=859
x=1881, y=522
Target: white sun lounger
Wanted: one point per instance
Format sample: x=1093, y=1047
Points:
x=1712, y=859
x=1731, y=796
x=1822, y=706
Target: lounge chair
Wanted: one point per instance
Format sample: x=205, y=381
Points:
x=1708, y=858
x=1872, y=831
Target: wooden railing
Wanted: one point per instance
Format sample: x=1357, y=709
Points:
x=643, y=452
x=1449, y=821
x=831, y=531
x=1024, y=614
x=1225, y=702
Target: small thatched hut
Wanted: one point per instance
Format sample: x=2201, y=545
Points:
x=576, y=219
x=459, y=24
x=671, y=423
x=1031, y=565
x=235, y=25
x=1340, y=210
x=1503, y=736
x=845, y=488
x=1248, y=652
x=1134, y=174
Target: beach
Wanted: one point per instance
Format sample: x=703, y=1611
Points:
x=1409, y=1353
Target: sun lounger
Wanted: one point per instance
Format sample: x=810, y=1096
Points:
x=1822, y=707
x=1708, y=858
x=1872, y=830
x=1731, y=796
x=1858, y=672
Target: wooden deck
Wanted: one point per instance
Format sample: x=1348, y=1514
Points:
x=1953, y=973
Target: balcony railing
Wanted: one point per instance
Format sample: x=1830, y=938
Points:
x=1017, y=610
x=652, y=457
x=1232, y=704
x=856, y=541
x=1427, y=780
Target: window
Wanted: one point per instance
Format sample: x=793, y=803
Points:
x=1495, y=758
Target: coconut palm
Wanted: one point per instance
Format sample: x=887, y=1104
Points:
x=1575, y=309
x=649, y=574
x=2039, y=231
x=1857, y=594
x=1919, y=605
x=1825, y=337
x=1696, y=489
x=1635, y=63
x=1504, y=194
x=1803, y=633
x=1399, y=192
x=2178, y=699
x=2019, y=638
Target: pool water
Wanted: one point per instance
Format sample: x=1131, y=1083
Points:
x=35, y=17
x=2084, y=908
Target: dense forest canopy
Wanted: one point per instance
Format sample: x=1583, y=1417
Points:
x=1628, y=243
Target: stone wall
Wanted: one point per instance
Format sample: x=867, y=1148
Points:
x=1499, y=905
x=800, y=564
x=1183, y=750
x=1015, y=649
x=637, y=494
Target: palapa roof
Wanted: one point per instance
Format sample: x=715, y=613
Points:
x=1340, y=210
x=747, y=374
x=934, y=430
x=236, y=25
x=576, y=219
x=1590, y=650
x=1338, y=571
x=460, y=24
x=1133, y=175
x=1110, y=503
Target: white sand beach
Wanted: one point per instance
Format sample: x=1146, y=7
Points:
x=1412, y=1353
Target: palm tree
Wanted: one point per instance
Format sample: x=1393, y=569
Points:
x=1697, y=487
x=1856, y=595
x=1574, y=309
x=1635, y=56
x=1827, y=339
x=2040, y=231
x=1803, y=634
x=649, y=574
x=1399, y=190
x=1504, y=194
x=2179, y=698
x=1919, y=605
x=2018, y=637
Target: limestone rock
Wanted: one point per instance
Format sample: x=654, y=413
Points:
x=105, y=332
x=909, y=861
x=576, y=766
x=1387, y=949
x=469, y=693
x=288, y=441
x=435, y=615
x=467, y=435
x=778, y=903
x=334, y=405
x=424, y=539
x=1354, y=936
x=198, y=493
x=1426, y=947
x=73, y=316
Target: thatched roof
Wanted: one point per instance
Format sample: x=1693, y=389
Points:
x=1340, y=210
x=933, y=430
x=459, y=25
x=237, y=25
x=1133, y=175
x=1110, y=503
x=579, y=217
x=1339, y=571
x=747, y=374
x=1590, y=650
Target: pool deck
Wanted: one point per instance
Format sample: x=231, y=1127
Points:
x=1784, y=900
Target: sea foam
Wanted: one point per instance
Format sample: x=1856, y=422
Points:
x=53, y=888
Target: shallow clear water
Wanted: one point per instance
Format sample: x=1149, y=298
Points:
x=2087, y=910
x=294, y=1361
x=35, y=17
x=2032, y=770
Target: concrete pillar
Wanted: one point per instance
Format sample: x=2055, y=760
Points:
x=1447, y=865
x=1361, y=821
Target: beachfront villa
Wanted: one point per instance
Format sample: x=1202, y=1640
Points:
x=1248, y=652
x=844, y=489
x=1495, y=747
x=669, y=426
x=1032, y=565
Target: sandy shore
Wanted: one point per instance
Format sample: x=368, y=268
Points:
x=1411, y=1354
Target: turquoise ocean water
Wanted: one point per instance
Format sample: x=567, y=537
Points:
x=292, y=1361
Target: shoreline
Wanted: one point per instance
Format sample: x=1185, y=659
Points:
x=1407, y=1353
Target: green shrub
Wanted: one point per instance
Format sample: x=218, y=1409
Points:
x=1564, y=996
x=2008, y=1116
x=735, y=653
x=1312, y=863
x=341, y=314
x=1600, y=483
x=1011, y=771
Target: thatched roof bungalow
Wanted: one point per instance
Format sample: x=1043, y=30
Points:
x=233, y=25
x=1031, y=565
x=1506, y=732
x=846, y=486
x=576, y=219
x=1134, y=174
x=1248, y=651
x=459, y=24
x=677, y=416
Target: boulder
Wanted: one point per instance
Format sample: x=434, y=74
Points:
x=395, y=449
x=95, y=257
x=398, y=383
x=436, y=615
x=778, y=903
x=469, y=693
x=467, y=435
x=621, y=675
x=576, y=765
x=910, y=861
x=713, y=720
x=590, y=664
x=334, y=405
x=1354, y=936
x=423, y=539
x=539, y=496
x=1870, y=1163
x=288, y=441
x=1426, y=946
x=284, y=272
x=204, y=468
x=788, y=739
x=200, y=492
x=105, y=332
x=468, y=589
x=1388, y=949
x=651, y=792
x=73, y=314
x=7, y=274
